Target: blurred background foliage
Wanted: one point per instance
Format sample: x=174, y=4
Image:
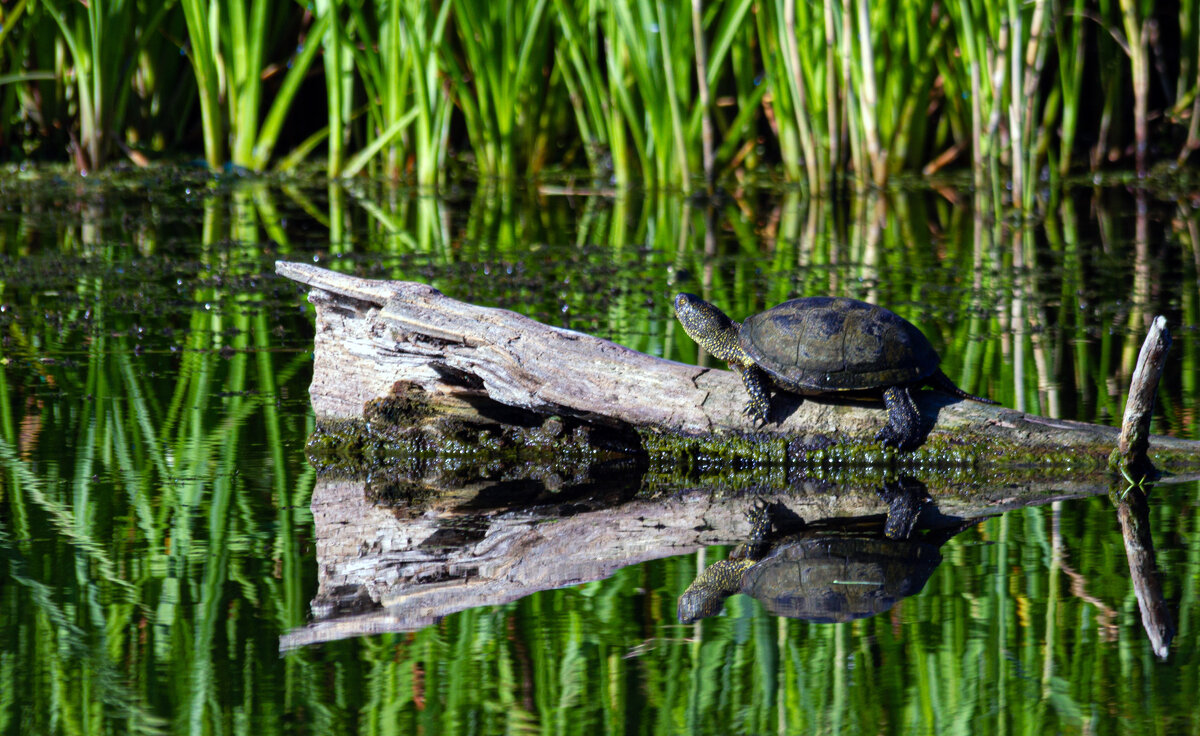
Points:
x=673, y=94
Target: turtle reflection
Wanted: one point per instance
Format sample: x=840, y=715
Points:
x=819, y=574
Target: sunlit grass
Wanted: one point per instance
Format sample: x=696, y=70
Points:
x=228, y=51
x=96, y=62
x=407, y=106
x=499, y=68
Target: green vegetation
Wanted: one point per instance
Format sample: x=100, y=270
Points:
x=675, y=94
x=228, y=60
x=119, y=555
x=90, y=77
x=155, y=534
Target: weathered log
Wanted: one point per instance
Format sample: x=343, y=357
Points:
x=399, y=554
x=370, y=335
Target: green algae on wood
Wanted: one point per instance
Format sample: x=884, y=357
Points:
x=405, y=432
x=414, y=449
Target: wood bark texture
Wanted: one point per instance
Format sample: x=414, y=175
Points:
x=1134, y=440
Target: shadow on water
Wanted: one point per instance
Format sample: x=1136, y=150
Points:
x=161, y=530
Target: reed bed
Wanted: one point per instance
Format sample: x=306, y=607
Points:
x=671, y=94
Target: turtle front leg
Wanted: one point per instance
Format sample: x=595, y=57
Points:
x=707, y=593
x=905, y=499
x=759, y=516
x=758, y=406
x=903, y=430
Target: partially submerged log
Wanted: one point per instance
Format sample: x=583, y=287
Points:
x=372, y=335
x=583, y=456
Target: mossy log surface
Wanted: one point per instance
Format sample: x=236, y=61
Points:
x=372, y=335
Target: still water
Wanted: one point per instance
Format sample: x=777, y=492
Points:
x=157, y=526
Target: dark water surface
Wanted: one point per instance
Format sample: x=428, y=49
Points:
x=157, y=538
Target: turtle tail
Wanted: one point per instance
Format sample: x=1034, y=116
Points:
x=942, y=382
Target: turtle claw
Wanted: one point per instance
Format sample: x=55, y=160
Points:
x=759, y=512
x=755, y=414
x=888, y=437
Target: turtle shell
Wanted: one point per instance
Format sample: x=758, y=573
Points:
x=820, y=344
x=838, y=579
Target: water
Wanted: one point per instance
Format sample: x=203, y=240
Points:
x=155, y=517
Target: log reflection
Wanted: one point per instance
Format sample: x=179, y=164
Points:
x=1134, y=515
x=398, y=553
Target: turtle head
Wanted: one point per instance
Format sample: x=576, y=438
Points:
x=697, y=604
x=709, y=327
x=706, y=595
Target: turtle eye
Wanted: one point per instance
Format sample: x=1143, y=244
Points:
x=684, y=300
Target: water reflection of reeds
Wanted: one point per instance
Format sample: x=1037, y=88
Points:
x=153, y=502
x=130, y=508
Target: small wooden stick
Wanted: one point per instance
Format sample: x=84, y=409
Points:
x=1134, y=440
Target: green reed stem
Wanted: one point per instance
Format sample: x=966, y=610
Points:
x=204, y=57
x=1135, y=14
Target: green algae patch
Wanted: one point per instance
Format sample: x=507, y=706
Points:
x=960, y=464
x=941, y=453
x=423, y=445
x=408, y=435
x=355, y=445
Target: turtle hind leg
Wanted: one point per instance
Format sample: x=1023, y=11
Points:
x=903, y=429
x=759, y=516
x=942, y=382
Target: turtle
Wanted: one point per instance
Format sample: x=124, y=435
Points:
x=818, y=575
x=821, y=345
